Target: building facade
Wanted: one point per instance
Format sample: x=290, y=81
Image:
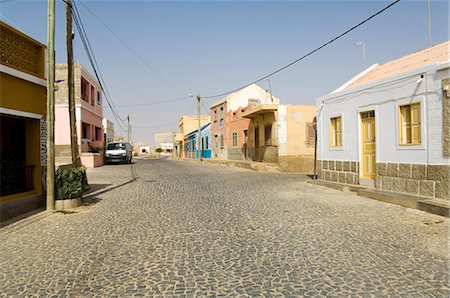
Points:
x=389, y=126
x=187, y=124
x=226, y=122
x=89, y=116
x=23, y=104
x=282, y=134
x=191, y=149
x=108, y=131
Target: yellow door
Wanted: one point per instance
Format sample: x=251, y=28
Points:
x=368, y=145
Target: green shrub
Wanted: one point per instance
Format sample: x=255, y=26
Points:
x=70, y=182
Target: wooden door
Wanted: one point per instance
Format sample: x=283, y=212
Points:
x=368, y=145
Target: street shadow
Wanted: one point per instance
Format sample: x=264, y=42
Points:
x=91, y=197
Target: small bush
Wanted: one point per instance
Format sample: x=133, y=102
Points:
x=70, y=182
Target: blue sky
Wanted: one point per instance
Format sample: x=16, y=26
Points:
x=215, y=46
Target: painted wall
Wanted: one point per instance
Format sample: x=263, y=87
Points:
x=23, y=90
x=384, y=97
x=89, y=112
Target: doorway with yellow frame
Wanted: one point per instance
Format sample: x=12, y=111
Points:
x=368, y=146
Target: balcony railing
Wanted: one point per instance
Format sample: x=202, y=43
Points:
x=16, y=179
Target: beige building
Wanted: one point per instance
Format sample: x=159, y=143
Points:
x=282, y=134
x=187, y=124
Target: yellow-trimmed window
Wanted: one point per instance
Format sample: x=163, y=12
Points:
x=336, y=132
x=409, y=124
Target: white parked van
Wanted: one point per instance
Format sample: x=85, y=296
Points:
x=118, y=152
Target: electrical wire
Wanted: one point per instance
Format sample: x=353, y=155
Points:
x=134, y=52
x=84, y=39
x=101, y=80
x=152, y=103
x=306, y=55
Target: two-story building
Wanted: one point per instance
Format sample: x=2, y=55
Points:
x=229, y=130
x=89, y=116
x=23, y=109
x=187, y=124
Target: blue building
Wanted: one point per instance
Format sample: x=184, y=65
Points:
x=206, y=146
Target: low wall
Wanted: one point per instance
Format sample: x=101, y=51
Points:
x=296, y=163
x=429, y=181
x=20, y=205
x=338, y=171
x=91, y=160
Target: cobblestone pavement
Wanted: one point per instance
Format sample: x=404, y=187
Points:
x=190, y=229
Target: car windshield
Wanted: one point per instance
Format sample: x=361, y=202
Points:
x=115, y=146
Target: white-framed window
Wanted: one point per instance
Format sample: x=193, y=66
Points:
x=336, y=131
x=221, y=142
x=409, y=124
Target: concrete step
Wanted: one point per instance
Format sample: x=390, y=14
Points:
x=337, y=185
x=435, y=206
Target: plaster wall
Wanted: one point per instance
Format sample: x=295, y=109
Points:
x=385, y=97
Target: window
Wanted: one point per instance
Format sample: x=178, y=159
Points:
x=221, y=112
x=98, y=134
x=221, y=141
x=310, y=134
x=215, y=115
x=92, y=95
x=84, y=90
x=409, y=125
x=206, y=143
x=84, y=131
x=234, y=139
x=336, y=132
x=99, y=102
x=215, y=141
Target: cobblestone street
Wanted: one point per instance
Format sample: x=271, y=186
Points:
x=182, y=228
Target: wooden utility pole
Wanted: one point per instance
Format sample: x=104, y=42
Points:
x=71, y=86
x=199, y=135
x=51, y=106
x=430, y=43
x=129, y=128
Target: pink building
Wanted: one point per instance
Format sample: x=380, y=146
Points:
x=89, y=115
x=229, y=130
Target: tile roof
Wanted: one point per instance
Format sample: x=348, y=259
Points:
x=437, y=53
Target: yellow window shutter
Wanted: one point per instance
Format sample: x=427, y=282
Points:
x=406, y=124
x=339, y=131
x=415, y=123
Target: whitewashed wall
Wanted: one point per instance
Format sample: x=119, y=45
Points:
x=384, y=97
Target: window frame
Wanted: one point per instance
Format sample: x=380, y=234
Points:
x=333, y=133
x=401, y=140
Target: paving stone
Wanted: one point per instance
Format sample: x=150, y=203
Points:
x=187, y=229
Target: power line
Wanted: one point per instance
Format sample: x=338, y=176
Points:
x=93, y=62
x=156, y=126
x=152, y=102
x=306, y=55
x=134, y=52
x=107, y=94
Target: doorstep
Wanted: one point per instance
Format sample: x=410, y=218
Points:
x=435, y=206
x=338, y=186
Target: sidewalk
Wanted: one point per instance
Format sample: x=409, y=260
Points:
x=245, y=164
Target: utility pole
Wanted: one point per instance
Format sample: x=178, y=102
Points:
x=129, y=128
x=71, y=86
x=362, y=44
x=199, y=135
x=430, y=43
x=51, y=106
